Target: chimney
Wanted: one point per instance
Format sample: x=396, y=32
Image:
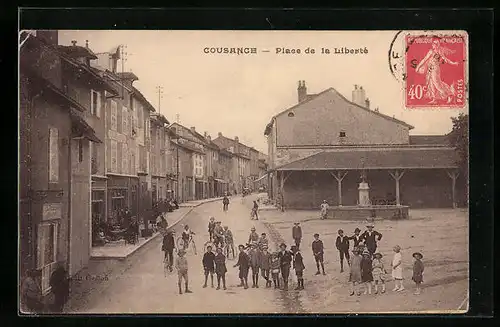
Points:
x=358, y=96
x=376, y=109
x=205, y=134
x=209, y=138
x=193, y=129
x=302, y=91
x=367, y=103
x=73, y=42
x=87, y=44
x=50, y=37
x=236, y=139
x=219, y=134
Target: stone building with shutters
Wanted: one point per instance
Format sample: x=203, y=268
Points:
x=320, y=148
x=56, y=138
x=158, y=157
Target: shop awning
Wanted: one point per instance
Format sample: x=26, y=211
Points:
x=220, y=180
x=82, y=128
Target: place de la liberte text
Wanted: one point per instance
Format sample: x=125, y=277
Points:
x=285, y=51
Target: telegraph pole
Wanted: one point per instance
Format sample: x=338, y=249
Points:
x=159, y=89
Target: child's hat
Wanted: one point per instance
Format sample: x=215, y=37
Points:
x=365, y=252
x=418, y=254
x=282, y=245
x=378, y=254
x=316, y=234
x=357, y=230
x=370, y=225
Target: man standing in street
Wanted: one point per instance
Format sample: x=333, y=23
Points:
x=297, y=234
x=59, y=283
x=285, y=263
x=225, y=203
x=342, y=244
x=371, y=237
x=168, y=247
x=318, y=249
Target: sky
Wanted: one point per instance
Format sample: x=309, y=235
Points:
x=237, y=95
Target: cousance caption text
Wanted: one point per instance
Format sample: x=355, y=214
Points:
x=286, y=51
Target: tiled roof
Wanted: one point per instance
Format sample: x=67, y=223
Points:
x=75, y=51
x=429, y=140
x=143, y=99
x=377, y=159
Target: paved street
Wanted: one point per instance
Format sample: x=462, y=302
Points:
x=142, y=288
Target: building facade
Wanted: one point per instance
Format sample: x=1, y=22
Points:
x=321, y=148
x=55, y=140
x=158, y=157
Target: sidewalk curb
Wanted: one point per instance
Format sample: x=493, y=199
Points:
x=149, y=240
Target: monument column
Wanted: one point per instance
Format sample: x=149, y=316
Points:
x=364, y=191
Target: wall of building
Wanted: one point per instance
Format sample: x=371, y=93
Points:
x=320, y=120
x=80, y=241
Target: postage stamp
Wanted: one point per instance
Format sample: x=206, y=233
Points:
x=436, y=70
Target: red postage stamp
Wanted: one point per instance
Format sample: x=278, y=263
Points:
x=436, y=73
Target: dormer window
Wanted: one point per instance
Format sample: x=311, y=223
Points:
x=291, y=114
x=342, y=134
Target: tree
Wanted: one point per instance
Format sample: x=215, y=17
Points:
x=459, y=139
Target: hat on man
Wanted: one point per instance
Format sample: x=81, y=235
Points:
x=370, y=225
x=366, y=252
x=377, y=255
x=293, y=248
x=283, y=245
x=316, y=235
x=418, y=254
x=357, y=230
x=296, y=223
x=253, y=228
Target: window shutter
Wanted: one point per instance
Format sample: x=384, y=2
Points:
x=119, y=121
x=98, y=108
x=119, y=157
x=92, y=108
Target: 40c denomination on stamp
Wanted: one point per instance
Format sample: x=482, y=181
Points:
x=436, y=71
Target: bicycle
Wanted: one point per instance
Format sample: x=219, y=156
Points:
x=181, y=244
x=167, y=266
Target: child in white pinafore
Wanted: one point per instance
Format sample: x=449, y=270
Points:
x=397, y=270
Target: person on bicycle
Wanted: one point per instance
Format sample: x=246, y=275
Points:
x=253, y=237
x=211, y=227
x=324, y=209
x=225, y=203
x=218, y=235
x=228, y=237
x=186, y=235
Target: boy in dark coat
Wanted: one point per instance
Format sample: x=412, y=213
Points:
x=254, y=255
x=356, y=238
x=297, y=234
x=342, y=244
x=220, y=268
x=59, y=282
x=225, y=203
x=168, y=247
x=285, y=263
x=265, y=265
x=243, y=264
x=209, y=265
x=317, y=248
x=298, y=265
x=370, y=238
x=418, y=271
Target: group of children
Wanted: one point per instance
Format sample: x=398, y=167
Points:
x=367, y=270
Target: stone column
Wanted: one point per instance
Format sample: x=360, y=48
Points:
x=397, y=176
x=453, y=174
x=339, y=176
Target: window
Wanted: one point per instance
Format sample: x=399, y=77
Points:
x=94, y=161
x=140, y=119
x=342, y=134
x=125, y=156
x=114, y=112
x=114, y=155
x=125, y=128
x=53, y=155
x=80, y=150
x=95, y=103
